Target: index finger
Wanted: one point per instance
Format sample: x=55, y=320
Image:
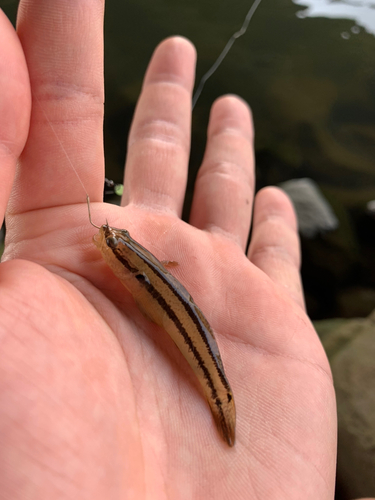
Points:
x=63, y=45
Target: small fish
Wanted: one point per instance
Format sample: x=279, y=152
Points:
x=164, y=300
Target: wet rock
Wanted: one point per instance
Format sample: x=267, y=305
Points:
x=350, y=346
x=313, y=211
x=371, y=207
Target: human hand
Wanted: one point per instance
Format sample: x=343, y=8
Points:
x=97, y=402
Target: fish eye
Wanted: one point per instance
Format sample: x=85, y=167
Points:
x=111, y=242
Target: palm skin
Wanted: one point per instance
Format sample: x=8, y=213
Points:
x=96, y=401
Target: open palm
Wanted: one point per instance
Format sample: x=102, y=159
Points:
x=96, y=401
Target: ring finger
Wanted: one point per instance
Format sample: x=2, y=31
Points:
x=223, y=194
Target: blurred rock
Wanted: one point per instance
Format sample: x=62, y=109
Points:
x=313, y=211
x=371, y=207
x=356, y=301
x=350, y=346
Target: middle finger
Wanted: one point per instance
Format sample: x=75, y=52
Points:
x=159, y=140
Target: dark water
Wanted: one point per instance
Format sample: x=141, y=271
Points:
x=311, y=85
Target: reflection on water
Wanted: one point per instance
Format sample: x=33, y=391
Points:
x=362, y=12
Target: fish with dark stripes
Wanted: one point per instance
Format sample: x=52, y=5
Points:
x=165, y=301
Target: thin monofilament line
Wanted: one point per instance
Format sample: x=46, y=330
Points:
x=225, y=51
x=61, y=144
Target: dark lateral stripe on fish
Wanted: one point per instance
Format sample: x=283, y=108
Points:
x=173, y=317
x=187, y=307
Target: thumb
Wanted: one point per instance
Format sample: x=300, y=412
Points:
x=15, y=106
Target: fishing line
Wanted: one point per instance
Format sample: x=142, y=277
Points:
x=225, y=51
x=61, y=144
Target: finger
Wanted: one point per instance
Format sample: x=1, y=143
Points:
x=274, y=245
x=62, y=41
x=159, y=141
x=223, y=194
x=15, y=105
